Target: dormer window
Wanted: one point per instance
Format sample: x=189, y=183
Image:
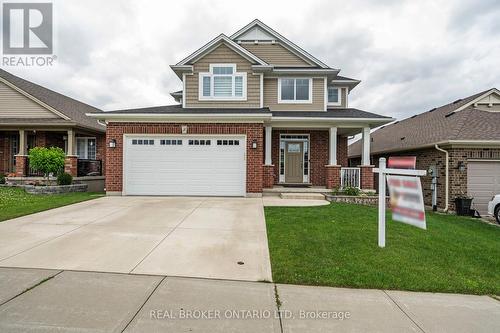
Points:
x=223, y=82
x=334, y=96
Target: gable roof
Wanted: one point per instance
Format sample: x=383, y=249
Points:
x=215, y=43
x=70, y=110
x=456, y=121
x=263, y=29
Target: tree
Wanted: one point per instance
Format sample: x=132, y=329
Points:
x=47, y=160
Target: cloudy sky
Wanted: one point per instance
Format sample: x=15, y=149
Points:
x=410, y=55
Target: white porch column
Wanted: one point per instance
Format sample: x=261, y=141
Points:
x=269, y=159
x=333, y=146
x=71, y=143
x=23, y=141
x=365, y=159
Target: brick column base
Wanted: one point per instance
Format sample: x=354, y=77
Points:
x=268, y=178
x=367, y=182
x=70, y=165
x=332, y=176
x=21, y=164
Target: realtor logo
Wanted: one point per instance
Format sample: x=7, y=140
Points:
x=27, y=28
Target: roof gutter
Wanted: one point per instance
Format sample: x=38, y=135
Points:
x=176, y=117
x=447, y=182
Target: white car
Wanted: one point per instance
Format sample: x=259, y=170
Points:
x=494, y=207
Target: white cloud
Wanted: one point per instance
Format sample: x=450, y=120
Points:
x=410, y=55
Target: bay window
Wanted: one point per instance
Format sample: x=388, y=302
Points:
x=222, y=83
x=86, y=148
x=295, y=90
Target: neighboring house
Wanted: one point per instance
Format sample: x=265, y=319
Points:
x=255, y=110
x=31, y=115
x=463, y=135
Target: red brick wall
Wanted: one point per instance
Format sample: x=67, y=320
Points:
x=114, y=156
x=318, y=153
x=101, y=151
x=332, y=177
x=4, y=154
x=367, y=178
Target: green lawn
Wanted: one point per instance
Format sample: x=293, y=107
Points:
x=336, y=245
x=15, y=202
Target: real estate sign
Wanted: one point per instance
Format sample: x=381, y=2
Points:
x=407, y=202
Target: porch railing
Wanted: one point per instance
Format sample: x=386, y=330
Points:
x=350, y=177
x=87, y=167
x=30, y=172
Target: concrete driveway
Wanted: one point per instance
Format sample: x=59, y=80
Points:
x=221, y=238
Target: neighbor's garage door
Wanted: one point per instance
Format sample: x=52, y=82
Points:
x=204, y=165
x=483, y=181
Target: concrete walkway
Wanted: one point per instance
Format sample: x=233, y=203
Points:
x=222, y=238
x=49, y=300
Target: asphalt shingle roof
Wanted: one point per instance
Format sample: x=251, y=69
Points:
x=73, y=109
x=436, y=125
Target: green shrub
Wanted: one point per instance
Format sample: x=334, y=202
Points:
x=64, y=179
x=2, y=179
x=354, y=191
x=46, y=160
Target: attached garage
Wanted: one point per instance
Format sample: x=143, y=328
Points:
x=483, y=181
x=184, y=165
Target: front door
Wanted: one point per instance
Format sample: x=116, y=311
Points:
x=294, y=165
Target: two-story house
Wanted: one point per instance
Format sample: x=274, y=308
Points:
x=255, y=110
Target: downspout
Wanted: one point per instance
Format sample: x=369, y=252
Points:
x=447, y=176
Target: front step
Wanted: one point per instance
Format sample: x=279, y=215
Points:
x=302, y=196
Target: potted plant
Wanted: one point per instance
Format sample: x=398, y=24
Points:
x=462, y=204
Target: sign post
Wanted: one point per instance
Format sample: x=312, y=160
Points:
x=406, y=196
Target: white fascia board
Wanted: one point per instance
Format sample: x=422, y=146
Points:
x=278, y=36
x=191, y=117
x=321, y=71
x=328, y=119
x=493, y=90
x=214, y=42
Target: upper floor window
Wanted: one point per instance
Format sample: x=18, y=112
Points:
x=223, y=83
x=295, y=90
x=333, y=96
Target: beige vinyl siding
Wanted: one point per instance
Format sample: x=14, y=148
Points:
x=223, y=55
x=13, y=104
x=275, y=54
x=271, y=97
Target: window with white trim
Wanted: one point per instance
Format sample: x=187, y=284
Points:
x=295, y=90
x=86, y=148
x=334, y=97
x=223, y=82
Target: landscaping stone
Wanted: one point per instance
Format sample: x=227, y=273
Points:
x=52, y=189
x=359, y=200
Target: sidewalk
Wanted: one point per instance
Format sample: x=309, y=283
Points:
x=47, y=300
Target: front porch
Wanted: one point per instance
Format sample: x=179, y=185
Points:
x=316, y=159
x=84, y=151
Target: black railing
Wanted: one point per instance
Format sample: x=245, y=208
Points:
x=30, y=172
x=89, y=168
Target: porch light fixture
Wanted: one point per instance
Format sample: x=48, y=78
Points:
x=254, y=144
x=112, y=143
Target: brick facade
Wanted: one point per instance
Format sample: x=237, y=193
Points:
x=70, y=165
x=21, y=164
x=366, y=177
x=332, y=176
x=432, y=157
x=114, y=156
x=318, y=153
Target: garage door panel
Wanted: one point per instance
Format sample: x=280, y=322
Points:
x=186, y=169
x=483, y=181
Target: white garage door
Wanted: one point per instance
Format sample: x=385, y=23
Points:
x=483, y=181
x=186, y=165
